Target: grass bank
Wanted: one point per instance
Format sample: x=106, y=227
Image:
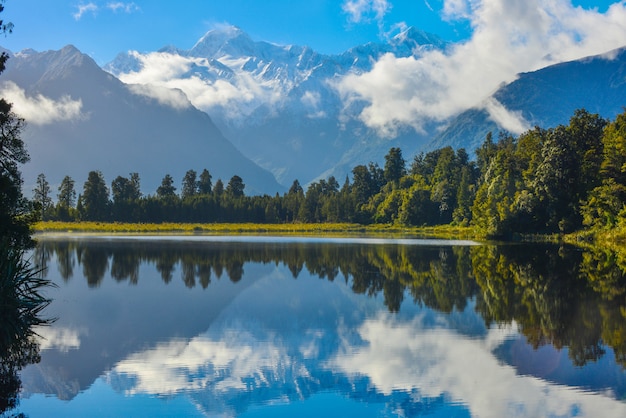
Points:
x=325, y=229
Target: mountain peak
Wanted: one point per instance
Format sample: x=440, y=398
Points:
x=221, y=41
x=417, y=37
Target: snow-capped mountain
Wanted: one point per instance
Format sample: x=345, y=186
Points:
x=278, y=104
x=81, y=118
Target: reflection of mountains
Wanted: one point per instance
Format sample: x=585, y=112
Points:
x=556, y=295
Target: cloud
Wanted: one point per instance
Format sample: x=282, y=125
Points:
x=83, y=8
x=237, y=96
x=512, y=122
x=123, y=7
x=174, y=98
x=509, y=37
x=359, y=11
x=114, y=6
x=41, y=110
x=312, y=100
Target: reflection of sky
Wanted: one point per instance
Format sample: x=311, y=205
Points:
x=281, y=346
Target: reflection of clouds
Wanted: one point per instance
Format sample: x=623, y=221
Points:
x=406, y=356
x=237, y=361
x=62, y=339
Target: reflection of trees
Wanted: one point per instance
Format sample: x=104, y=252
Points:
x=95, y=260
x=554, y=296
x=560, y=296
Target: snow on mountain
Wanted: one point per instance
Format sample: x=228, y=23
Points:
x=277, y=103
x=81, y=118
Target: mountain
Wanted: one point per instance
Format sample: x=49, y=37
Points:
x=547, y=97
x=278, y=104
x=86, y=119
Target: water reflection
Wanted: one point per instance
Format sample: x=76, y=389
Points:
x=467, y=330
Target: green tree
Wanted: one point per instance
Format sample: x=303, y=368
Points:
x=126, y=192
x=395, y=166
x=204, y=183
x=95, y=198
x=492, y=209
x=41, y=196
x=235, y=187
x=292, y=201
x=218, y=189
x=166, y=189
x=605, y=202
x=66, y=199
x=190, y=184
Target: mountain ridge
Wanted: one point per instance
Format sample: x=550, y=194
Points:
x=547, y=97
x=286, y=115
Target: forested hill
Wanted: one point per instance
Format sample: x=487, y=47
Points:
x=551, y=180
x=547, y=97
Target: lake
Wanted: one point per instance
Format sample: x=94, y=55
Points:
x=271, y=327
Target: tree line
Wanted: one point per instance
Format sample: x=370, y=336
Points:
x=544, y=181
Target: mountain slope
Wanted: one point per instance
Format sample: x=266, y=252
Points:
x=547, y=98
x=278, y=103
x=118, y=131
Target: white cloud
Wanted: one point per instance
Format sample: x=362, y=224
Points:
x=359, y=11
x=509, y=37
x=123, y=7
x=83, y=8
x=237, y=96
x=456, y=9
x=39, y=109
x=174, y=98
x=513, y=122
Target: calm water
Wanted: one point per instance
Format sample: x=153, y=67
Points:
x=295, y=327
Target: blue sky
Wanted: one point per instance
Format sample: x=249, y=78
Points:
x=103, y=28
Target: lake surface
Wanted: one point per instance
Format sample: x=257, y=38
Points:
x=263, y=327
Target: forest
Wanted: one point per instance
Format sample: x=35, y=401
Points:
x=546, y=180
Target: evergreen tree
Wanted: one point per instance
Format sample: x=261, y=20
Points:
x=235, y=187
x=218, y=189
x=95, y=197
x=166, y=189
x=395, y=166
x=190, y=185
x=66, y=199
x=204, y=183
x=41, y=196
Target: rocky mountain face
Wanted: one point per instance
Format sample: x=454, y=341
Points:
x=82, y=118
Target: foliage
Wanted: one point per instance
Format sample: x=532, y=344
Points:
x=21, y=306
